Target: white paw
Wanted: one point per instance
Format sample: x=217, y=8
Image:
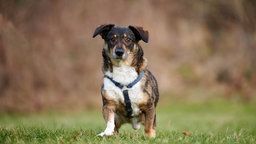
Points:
x=136, y=126
x=105, y=133
x=101, y=134
x=109, y=131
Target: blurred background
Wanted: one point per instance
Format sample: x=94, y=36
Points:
x=198, y=50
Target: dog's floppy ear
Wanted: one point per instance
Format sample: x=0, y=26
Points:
x=139, y=33
x=103, y=30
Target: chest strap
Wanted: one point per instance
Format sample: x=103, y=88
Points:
x=124, y=89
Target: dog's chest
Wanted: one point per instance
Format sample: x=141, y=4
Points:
x=124, y=75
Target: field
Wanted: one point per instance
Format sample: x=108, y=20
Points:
x=51, y=69
x=216, y=121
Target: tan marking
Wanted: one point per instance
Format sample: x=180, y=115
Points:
x=108, y=110
x=149, y=122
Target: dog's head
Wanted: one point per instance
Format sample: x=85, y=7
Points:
x=120, y=41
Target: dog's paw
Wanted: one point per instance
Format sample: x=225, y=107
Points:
x=105, y=134
x=136, y=126
x=151, y=134
x=101, y=134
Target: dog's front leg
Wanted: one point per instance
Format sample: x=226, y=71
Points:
x=109, y=116
x=150, y=122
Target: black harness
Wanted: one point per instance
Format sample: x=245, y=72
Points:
x=125, y=88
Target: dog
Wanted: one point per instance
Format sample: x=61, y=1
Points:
x=129, y=91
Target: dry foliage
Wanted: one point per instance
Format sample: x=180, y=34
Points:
x=48, y=58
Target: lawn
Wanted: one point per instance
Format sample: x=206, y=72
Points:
x=217, y=121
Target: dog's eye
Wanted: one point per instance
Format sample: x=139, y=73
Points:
x=113, y=39
x=127, y=40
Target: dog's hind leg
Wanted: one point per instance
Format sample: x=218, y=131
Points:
x=136, y=124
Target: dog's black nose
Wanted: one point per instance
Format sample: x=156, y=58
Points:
x=119, y=51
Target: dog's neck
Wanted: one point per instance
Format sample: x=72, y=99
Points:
x=110, y=65
x=123, y=74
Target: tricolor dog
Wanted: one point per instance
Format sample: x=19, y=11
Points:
x=129, y=90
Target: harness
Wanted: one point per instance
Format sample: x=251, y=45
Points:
x=124, y=89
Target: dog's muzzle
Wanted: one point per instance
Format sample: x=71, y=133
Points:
x=119, y=53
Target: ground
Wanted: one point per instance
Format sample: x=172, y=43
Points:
x=215, y=121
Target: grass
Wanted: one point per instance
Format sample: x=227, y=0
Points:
x=216, y=121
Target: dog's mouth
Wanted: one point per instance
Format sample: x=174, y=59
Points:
x=123, y=57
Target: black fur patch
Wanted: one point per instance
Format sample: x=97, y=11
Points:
x=107, y=64
x=138, y=59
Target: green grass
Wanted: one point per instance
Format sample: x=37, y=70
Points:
x=208, y=122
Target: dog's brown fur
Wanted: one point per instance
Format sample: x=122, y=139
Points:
x=114, y=108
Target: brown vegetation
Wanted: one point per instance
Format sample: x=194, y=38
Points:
x=48, y=59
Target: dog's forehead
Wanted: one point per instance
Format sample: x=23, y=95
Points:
x=119, y=31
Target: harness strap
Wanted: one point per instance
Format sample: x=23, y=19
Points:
x=136, y=80
x=115, y=82
x=127, y=100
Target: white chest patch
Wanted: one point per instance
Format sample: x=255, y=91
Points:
x=124, y=75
